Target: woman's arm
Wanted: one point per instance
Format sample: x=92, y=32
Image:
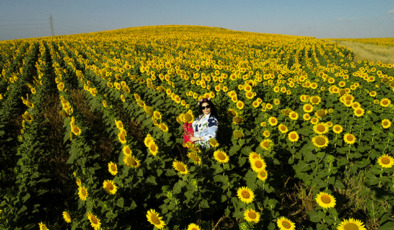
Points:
x=212, y=129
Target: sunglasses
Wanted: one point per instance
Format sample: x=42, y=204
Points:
x=206, y=107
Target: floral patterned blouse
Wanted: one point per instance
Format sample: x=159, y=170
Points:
x=206, y=128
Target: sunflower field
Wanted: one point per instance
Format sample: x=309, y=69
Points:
x=91, y=132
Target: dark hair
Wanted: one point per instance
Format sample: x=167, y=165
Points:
x=213, y=109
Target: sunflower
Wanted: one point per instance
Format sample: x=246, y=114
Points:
x=67, y=217
x=213, y=142
x=189, y=118
x=43, y=226
x=351, y=224
x=359, y=112
x=385, y=102
x=262, y=175
x=325, y=200
x=148, y=139
x=112, y=168
x=238, y=134
x=78, y=181
x=266, y=144
x=273, y=121
x=153, y=148
x=321, y=113
x=164, y=127
x=258, y=165
x=122, y=138
x=253, y=156
x=386, y=161
x=245, y=195
x=349, y=138
x=237, y=120
x=180, y=167
x=315, y=100
x=356, y=105
x=240, y=105
x=126, y=150
x=252, y=216
x=109, y=186
x=320, y=128
x=266, y=133
x=285, y=224
x=232, y=113
x=307, y=108
x=320, y=141
x=263, y=124
x=337, y=129
x=283, y=128
x=293, y=115
x=293, y=136
x=314, y=120
x=221, y=156
x=157, y=115
x=194, y=156
x=306, y=117
x=155, y=219
x=76, y=131
x=193, y=227
x=82, y=192
x=94, y=221
x=131, y=161
x=386, y=123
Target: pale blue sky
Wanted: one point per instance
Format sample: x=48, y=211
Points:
x=317, y=18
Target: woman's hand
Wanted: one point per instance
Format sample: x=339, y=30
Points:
x=194, y=139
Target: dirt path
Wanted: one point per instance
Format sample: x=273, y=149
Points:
x=370, y=52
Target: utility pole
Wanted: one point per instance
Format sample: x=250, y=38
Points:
x=52, y=30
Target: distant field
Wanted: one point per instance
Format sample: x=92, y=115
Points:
x=384, y=54
x=92, y=132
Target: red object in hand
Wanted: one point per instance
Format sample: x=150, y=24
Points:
x=188, y=128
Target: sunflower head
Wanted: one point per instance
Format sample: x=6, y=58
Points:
x=110, y=187
x=112, y=168
x=325, y=200
x=349, y=138
x=237, y=120
x=386, y=161
x=337, y=129
x=180, y=167
x=351, y=224
x=245, y=195
x=320, y=141
x=262, y=175
x=293, y=136
x=221, y=156
x=258, y=165
x=285, y=224
x=252, y=216
x=131, y=161
x=195, y=158
x=155, y=219
x=273, y=121
x=238, y=134
x=66, y=217
x=266, y=144
x=213, y=142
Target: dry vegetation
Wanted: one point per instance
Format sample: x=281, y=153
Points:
x=370, y=52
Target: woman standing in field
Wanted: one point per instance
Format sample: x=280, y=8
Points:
x=205, y=126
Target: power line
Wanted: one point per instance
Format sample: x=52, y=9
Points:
x=24, y=28
x=23, y=20
x=22, y=24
